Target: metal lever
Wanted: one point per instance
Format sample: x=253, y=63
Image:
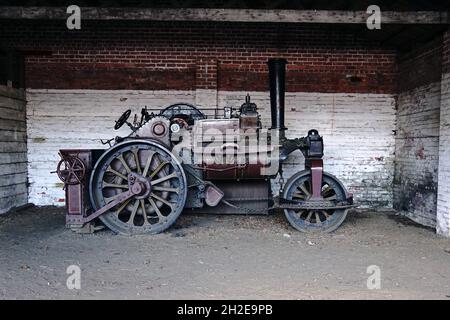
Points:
x=107, y=141
x=135, y=189
x=121, y=198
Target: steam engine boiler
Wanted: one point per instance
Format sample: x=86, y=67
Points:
x=179, y=159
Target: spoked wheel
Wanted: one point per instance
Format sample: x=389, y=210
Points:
x=153, y=210
x=298, y=188
x=71, y=170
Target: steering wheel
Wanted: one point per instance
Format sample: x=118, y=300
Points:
x=123, y=118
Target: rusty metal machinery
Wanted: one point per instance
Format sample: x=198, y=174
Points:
x=178, y=158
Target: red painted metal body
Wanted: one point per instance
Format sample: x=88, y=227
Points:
x=229, y=148
x=316, y=167
x=77, y=199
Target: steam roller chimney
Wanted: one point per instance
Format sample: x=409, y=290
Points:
x=277, y=75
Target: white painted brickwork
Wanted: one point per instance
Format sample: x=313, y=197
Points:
x=13, y=154
x=357, y=130
x=443, y=208
x=417, y=153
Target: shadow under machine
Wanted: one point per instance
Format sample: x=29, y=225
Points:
x=179, y=159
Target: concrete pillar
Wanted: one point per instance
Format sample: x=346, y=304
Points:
x=443, y=202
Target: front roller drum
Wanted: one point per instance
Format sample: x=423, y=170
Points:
x=299, y=188
x=161, y=178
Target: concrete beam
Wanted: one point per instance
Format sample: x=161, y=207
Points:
x=231, y=15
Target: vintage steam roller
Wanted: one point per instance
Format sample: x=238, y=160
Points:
x=178, y=159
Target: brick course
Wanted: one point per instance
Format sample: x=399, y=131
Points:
x=227, y=56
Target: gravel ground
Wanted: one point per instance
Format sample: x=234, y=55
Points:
x=229, y=257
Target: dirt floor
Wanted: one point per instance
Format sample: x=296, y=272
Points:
x=230, y=257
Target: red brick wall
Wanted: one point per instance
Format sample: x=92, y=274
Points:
x=227, y=56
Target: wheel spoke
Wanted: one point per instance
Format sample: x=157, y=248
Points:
x=148, y=163
x=303, y=188
x=117, y=173
x=67, y=164
x=170, y=176
x=122, y=206
x=318, y=221
x=114, y=185
x=162, y=200
x=133, y=212
x=158, y=168
x=144, y=212
x=136, y=160
x=153, y=204
x=326, y=190
x=299, y=213
x=176, y=190
x=77, y=177
x=327, y=216
x=308, y=218
x=333, y=197
x=69, y=176
x=298, y=195
x=125, y=165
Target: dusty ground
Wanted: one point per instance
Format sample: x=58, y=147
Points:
x=213, y=257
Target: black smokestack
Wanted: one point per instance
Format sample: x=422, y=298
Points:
x=277, y=75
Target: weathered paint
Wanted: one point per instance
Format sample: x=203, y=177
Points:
x=417, y=153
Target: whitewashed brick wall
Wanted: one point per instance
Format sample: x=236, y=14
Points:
x=357, y=130
x=443, y=207
x=13, y=154
x=417, y=153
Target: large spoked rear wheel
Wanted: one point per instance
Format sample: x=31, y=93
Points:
x=298, y=188
x=162, y=203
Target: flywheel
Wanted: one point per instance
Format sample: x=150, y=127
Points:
x=165, y=188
